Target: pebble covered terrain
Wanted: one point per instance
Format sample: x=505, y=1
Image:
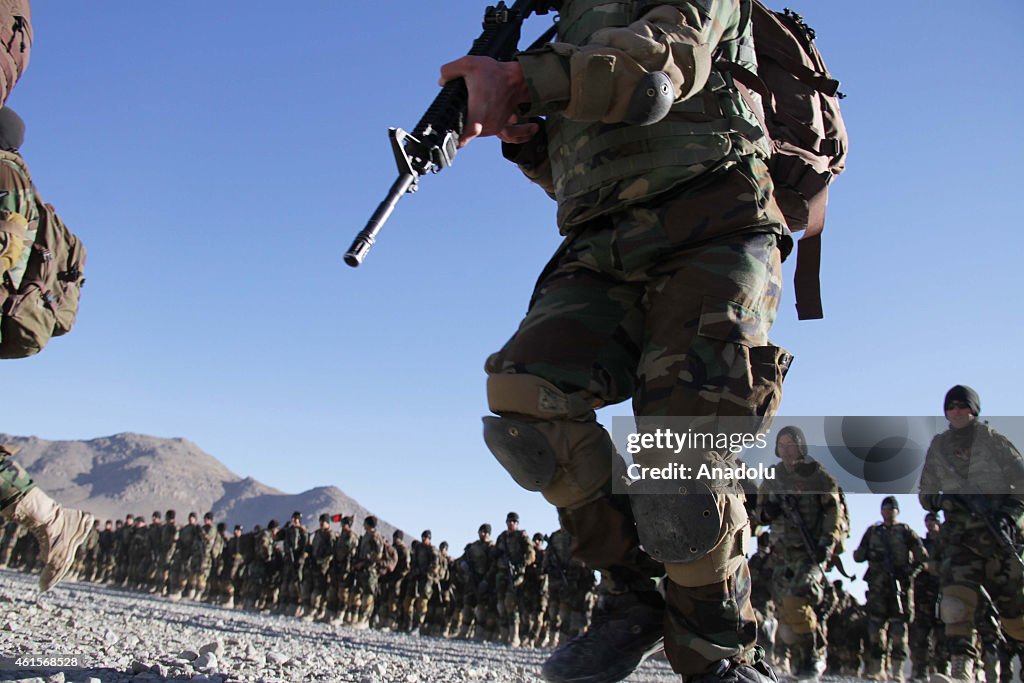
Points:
x=122, y=637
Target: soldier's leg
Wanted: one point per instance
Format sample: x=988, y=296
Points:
x=897, y=647
x=60, y=531
x=961, y=573
x=878, y=617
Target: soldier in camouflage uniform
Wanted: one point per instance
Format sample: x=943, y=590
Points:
x=420, y=583
x=475, y=568
x=441, y=611
x=122, y=550
x=88, y=553
x=106, y=558
x=364, y=590
x=342, y=575
x=232, y=562
x=927, y=637
x=155, y=564
x=141, y=560
x=391, y=585
x=214, y=586
x=513, y=553
x=534, y=594
x=895, y=555
x=317, y=571
x=294, y=543
x=847, y=633
x=975, y=476
x=183, y=557
x=663, y=292
x=166, y=553
x=761, y=567
x=203, y=547
x=570, y=587
x=260, y=591
x=802, y=505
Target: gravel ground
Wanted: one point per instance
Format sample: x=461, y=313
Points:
x=121, y=636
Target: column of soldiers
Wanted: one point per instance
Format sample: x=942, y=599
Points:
x=952, y=603
x=518, y=590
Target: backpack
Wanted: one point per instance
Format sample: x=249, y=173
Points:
x=46, y=302
x=802, y=119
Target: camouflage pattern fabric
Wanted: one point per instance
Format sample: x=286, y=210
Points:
x=972, y=558
x=14, y=480
x=799, y=586
x=892, y=552
x=927, y=636
x=16, y=42
x=513, y=552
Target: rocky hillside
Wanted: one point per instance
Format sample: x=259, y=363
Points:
x=114, y=475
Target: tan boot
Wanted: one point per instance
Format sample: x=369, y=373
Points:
x=60, y=531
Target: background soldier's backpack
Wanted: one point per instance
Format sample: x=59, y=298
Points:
x=46, y=302
x=809, y=141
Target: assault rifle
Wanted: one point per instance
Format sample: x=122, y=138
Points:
x=432, y=145
x=792, y=510
x=1000, y=526
x=890, y=569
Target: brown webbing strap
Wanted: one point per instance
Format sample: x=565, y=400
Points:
x=807, y=281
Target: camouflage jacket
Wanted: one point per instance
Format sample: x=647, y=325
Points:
x=19, y=217
x=369, y=551
x=478, y=560
x=583, y=83
x=425, y=561
x=294, y=540
x=168, y=541
x=888, y=550
x=813, y=494
x=972, y=468
x=558, y=564
x=345, y=547
x=321, y=550
x=513, y=551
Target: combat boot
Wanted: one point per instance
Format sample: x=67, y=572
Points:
x=735, y=671
x=896, y=668
x=626, y=630
x=60, y=532
x=961, y=668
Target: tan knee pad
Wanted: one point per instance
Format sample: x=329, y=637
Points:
x=1014, y=627
x=797, y=614
x=725, y=559
x=580, y=447
x=957, y=609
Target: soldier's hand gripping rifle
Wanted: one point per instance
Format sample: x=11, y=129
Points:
x=432, y=145
x=791, y=508
x=999, y=525
x=434, y=141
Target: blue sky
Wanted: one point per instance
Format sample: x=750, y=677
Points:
x=218, y=158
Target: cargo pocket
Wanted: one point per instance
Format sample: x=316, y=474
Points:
x=751, y=368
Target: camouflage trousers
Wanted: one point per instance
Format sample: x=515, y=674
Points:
x=14, y=480
x=970, y=563
x=887, y=625
x=635, y=306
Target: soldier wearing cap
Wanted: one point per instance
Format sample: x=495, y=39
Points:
x=927, y=639
x=364, y=590
x=232, y=562
x=475, y=570
x=423, y=574
x=975, y=477
x=294, y=541
x=803, y=505
x=342, y=575
x=315, y=575
x=513, y=552
x=895, y=555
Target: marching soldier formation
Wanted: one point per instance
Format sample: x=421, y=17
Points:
x=951, y=602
